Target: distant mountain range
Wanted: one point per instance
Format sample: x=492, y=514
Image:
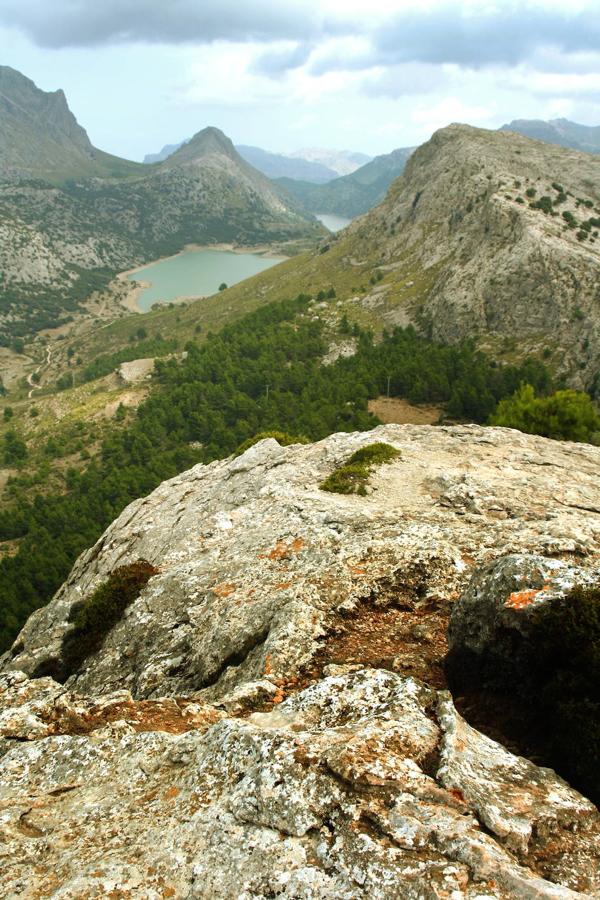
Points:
x=314, y=165
x=342, y=162
x=354, y=194
x=559, y=131
x=72, y=216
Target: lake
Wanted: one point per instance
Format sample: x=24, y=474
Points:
x=196, y=273
x=334, y=223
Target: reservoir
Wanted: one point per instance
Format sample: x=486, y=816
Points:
x=196, y=273
x=334, y=223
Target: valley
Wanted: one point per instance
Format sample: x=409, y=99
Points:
x=299, y=452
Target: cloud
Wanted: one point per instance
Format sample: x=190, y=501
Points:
x=406, y=79
x=496, y=35
x=275, y=62
x=473, y=35
x=81, y=23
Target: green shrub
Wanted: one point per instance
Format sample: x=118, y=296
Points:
x=565, y=415
x=94, y=618
x=14, y=450
x=352, y=476
x=545, y=204
x=282, y=438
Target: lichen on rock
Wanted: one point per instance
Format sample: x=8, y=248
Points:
x=269, y=718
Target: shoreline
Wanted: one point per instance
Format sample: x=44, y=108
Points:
x=131, y=300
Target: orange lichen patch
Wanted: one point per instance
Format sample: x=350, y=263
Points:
x=357, y=570
x=282, y=585
x=284, y=549
x=279, y=696
x=457, y=794
x=223, y=590
x=268, y=669
x=143, y=715
x=522, y=599
x=171, y=793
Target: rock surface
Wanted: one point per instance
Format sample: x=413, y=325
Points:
x=260, y=569
x=499, y=610
x=364, y=785
x=269, y=718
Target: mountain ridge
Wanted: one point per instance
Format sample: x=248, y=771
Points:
x=563, y=132
x=353, y=194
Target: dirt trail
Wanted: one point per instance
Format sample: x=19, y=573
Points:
x=30, y=381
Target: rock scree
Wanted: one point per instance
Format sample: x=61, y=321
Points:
x=269, y=716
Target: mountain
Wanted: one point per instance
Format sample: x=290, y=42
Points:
x=72, y=216
x=354, y=194
x=162, y=154
x=343, y=162
x=266, y=715
x=559, y=131
x=277, y=165
x=273, y=165
x=41, y=136
x=486, y=234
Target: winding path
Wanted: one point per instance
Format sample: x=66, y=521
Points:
x=30, y=381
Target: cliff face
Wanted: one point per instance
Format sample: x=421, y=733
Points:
x=269, y=717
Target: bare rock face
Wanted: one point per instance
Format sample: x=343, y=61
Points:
x=260, y=569
x=364, y=785
x=269, y=717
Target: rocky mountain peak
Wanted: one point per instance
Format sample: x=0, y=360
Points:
x=37, y=126
x=207, y=142
x=492, y=235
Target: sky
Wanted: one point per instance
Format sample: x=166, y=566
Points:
x=366, y=75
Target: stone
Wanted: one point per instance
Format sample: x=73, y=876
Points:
x=500, y=608
x=259, y=568
x=365, y=785
x=270, y=716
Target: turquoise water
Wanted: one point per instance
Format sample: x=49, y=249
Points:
x=196, y=273
x=334, y=223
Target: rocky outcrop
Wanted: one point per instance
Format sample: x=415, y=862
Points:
x=526, y=634
x=364, y=785
x=269, y=718
x=498, y=614
x=260, y=569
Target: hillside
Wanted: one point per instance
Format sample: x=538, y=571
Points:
x=486, y=234
x=62, y=237
x=353, y=194
x=268, y=715
x=559, y=131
